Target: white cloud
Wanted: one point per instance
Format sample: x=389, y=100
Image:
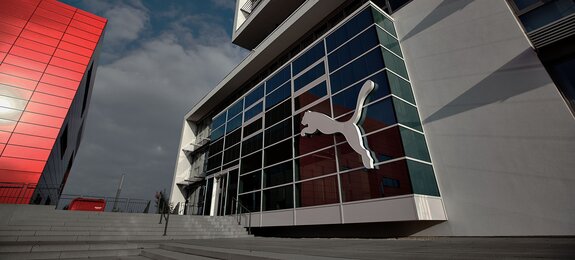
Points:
x=125, y=23
x=230, y=4
x=138, y=104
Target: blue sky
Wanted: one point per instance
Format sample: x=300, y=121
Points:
x=157, y=60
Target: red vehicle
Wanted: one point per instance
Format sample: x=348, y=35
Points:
x=86, y=204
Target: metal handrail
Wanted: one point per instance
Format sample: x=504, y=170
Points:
x=239, y=216
x=164, y=211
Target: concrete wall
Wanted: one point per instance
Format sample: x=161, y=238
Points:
x=501, y=137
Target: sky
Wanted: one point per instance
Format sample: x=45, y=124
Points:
x=158, y=59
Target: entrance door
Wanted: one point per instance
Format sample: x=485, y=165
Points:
x=225, y=186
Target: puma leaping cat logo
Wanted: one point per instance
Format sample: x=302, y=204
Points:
x=315, y=121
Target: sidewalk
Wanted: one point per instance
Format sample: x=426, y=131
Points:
x=409, y=248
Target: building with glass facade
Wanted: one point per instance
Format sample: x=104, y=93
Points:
x=48, y=59
x=470, y=125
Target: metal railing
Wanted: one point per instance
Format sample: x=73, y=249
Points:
x=250, y=5
x=16, y=193
x=126, y=205
x=164, y=210
x=238, y=214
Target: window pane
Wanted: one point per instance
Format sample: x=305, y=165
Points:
x=234, y=123
x=253, y=127
x=521, y=4
x=354, y=48
x=310, y=96
x=217, y=133
x=317, y=192
x=233, y=138
x=391, y=179
x=278, y=113
x=309, y=76
x=407, y=114
x=346, y=101
x=310, y=143
x=422, y=178
x=232, y=154
x=216, y=147
x=379, y=115
x=254, y=111
x=255, y=95
x=236, y=108
x=357, y=70
x=279, y=152
x=251, y=145
x=251, y=162
x=218, y=121
x=278, y=132
x=394, y=63
x=546, y=14
x=278, y=174
x=278, y=198
x=414, y=144
x=388, y=41
x=312, y=55
x=215, y=161
x=252, y=181
x=400, y=87
x=279, y=95
x=208, y=201
x=349, y=29
x=251, y=201
x=382, y=21
x=316, y=164
x=278, y=79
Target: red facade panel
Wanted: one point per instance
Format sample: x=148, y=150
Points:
x=45, y=49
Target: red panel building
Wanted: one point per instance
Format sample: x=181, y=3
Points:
x=48, y=56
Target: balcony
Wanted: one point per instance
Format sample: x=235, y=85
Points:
x=256, y=19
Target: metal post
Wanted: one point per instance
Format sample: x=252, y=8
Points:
x=114, y=208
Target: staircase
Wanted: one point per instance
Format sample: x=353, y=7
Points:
x=40, y=232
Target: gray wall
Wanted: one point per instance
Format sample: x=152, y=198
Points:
x=501, y=137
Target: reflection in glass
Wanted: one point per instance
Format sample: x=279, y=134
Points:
x=251, y=162
x=252, y=144
x=251, y=201
x=278, y=198
x=391, y=179
x=278, y=113
x=310, y=143
x=278, y=174
x=253, y=127
x=309, y=76
x=253, y=111
x=252, y=181
x=278, y=79
x=278, y=132
x=255, y=95
x=317, y=192
x=278, y=152
x=309, y=57
x=278, y=95
x=316, y=164
x=310, y=96
x=360, y=68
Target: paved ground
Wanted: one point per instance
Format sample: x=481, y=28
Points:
x=412, y=248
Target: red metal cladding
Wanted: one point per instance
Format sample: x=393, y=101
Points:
x=45, y=49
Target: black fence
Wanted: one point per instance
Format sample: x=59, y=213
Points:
x=126, y=205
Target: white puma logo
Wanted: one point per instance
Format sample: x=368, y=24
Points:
x=315, y=121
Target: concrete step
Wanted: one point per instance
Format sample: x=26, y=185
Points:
x=77, y=254
x=161, y=254
x=120, y=237
x=36, y=247
x=27, y=230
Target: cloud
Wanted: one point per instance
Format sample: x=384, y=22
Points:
x=138, y=103
x=125, y=23
x=229, y=4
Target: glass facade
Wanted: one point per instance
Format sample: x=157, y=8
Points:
x=279, y=169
